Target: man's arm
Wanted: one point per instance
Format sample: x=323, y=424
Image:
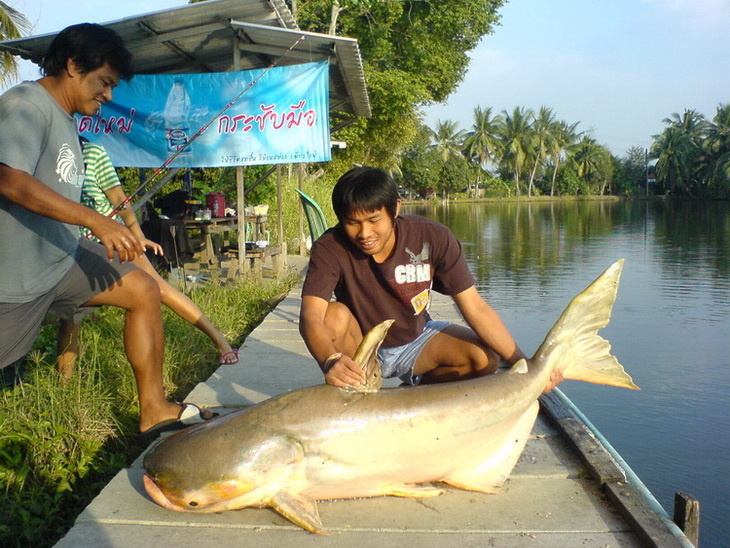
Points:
x=23, y=189
x=490, y=328
x=487, y=324
x=339, y=369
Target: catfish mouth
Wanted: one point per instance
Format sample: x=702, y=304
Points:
x=156, y=494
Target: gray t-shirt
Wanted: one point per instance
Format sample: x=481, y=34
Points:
x=39, y=137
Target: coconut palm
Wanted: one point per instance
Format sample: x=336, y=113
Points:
x=482, y=143
x=563, y=139
x=587, y=157
x=542, y=138
x=448, y=139
x=716, y=147
x=675, y=151
x=678, y=150
x=516, y=141
x=13, y=24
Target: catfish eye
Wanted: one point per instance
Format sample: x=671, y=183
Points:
x=192, y=503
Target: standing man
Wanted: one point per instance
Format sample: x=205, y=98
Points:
x=382, y=265
x=44, y=266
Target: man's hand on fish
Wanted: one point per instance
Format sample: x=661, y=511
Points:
x=343, y=372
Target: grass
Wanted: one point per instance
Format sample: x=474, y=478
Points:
x=60, y=443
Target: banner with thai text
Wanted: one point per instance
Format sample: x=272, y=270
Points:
x=281, y=118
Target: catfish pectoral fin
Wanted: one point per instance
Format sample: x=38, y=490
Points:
x=300, y=510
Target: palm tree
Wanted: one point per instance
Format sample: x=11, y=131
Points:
x=448, y=139
x=13, y=24
x=516, y=141
x=482, y=143
x=716, y=147
x=563, y=139
x=674, y=149
x=542, y=140
x=587, y=158
x=678, y=149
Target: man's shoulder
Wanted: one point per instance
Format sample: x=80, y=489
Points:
x=32, y=92
x=422, y=225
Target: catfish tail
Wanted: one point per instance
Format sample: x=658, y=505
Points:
x=573, y=344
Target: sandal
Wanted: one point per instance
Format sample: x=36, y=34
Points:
x=190, y=414
x=228, y=358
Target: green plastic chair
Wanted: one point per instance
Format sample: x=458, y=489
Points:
x=315, y=218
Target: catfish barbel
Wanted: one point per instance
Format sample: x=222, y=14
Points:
x=323, y=442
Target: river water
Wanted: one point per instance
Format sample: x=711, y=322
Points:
x=670, y=326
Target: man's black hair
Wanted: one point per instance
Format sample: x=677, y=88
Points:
x=90, y=46
x=364, y=188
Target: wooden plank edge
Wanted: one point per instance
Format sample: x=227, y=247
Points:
x=653, y=527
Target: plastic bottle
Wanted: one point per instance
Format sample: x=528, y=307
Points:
x=177, y=124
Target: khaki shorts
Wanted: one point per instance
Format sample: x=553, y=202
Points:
x=91, y=274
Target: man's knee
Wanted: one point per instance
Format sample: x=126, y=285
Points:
x=144, y=286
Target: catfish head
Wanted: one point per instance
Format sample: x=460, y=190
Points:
x=204, y=470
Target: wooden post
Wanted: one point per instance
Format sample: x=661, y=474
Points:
x=281, y=261
x=687, y=516
x=241, y=213
x=240, y=186
x=302, y=237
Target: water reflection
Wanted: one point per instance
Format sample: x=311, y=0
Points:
x=670, y=325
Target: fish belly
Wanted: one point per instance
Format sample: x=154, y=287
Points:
x=396, y=462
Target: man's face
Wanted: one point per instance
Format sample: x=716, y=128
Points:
x=373, y=232
x=93, y=89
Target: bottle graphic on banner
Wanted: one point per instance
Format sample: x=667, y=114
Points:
x=176, y=114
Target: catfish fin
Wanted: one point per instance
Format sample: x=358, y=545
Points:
x=299, y=510
x=573, y=343
x=412, y=491
x=366, y=356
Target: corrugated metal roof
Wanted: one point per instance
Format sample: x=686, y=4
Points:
x=203, y=38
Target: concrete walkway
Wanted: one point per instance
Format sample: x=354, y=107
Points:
x=546, y=502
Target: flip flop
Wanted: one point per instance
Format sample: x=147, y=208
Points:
x=227, y=358
x=190, y=414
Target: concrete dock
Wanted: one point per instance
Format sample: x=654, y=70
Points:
x=549, y=500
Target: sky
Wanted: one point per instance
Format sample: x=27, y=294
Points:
x=618, y=68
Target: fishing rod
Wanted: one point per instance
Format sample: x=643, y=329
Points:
x=205, y=126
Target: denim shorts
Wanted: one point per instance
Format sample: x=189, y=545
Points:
x=399, y=361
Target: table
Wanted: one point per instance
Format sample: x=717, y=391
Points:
x=257, y=240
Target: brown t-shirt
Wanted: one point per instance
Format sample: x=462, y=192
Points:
x=426, y=256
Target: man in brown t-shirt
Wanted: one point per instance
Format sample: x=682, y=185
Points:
x=382, y=265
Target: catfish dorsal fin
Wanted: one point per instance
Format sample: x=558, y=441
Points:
x=299, y=510
x=366, y=356
x=519, y=368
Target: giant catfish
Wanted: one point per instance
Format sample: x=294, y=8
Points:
x=323, y=442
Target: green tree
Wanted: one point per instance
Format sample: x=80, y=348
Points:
x=455, y=176
x=13, y=24
x=482, y=144
x=631, y=172
x=589, y=158
x=414, y=53
x=716, y=148
x=516, y=137
x=678, y=150
x=448, y=139
x=542, y=140
x=421, y=164
x=564, y=136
